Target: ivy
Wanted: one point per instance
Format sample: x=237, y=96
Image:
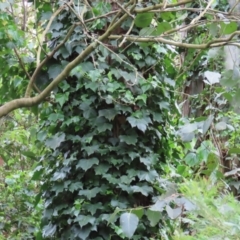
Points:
x=106, y=132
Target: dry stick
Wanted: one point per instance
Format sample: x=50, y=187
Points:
x=128, y=32
x=232, y=9
x=24, y=69
x=101, y=16
x=45, y=32
x=214, y=43
x=160, y=6
x=202, y=13
x=80, y=17
x=124, y=10
x=28, y=102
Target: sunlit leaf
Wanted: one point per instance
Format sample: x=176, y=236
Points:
x=173, y=213
x=143, y=19
x=128, y=223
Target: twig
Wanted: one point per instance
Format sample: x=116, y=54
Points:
x=24, y=69
x=50, y=55
x=124, y=9
x=202, y=13
x=128, y=32
x=45, y=32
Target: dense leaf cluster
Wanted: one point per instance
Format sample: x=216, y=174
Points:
x=107, y=133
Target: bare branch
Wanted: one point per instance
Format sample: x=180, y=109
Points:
x=214, y=43
x=45, y=32
x=24, y=69
x=161, y=6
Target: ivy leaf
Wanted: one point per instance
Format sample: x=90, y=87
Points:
x=38, y=173
x=49, y=230
x=188, y=205
x=158, y=206
x=108, y=113
x=153, y=217
x=62, y=98
x=55, y=141
x=93, y=208
x=91, y=149
x=142, y=97
x=54, y=70
x=143, y=19
x=58, y=175
x=86, y=164
x=56, y=117
x=132, y=139
x=101, y=169
x=103, y=127
x=149, y=160
x=173, y=213
x=149, y=176
x=91, y=193
x=84, y=232
x=141, y=123
x=144, y=190
x=58, y=187
x=128, y=223
x=113, y=216
x=75, y=186
x=83, y=220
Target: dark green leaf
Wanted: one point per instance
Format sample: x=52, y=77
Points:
x=86, y=164
x=108, y=113
x=55, y=141
x=49, y=230
x=83, y=220
x=132, y=139
x=91, y=193
x=144, y=190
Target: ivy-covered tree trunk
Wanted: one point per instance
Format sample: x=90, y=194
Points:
x=106, y=131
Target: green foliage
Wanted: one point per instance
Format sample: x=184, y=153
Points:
x=108, y=139
x=17, y=135
x=216, y=215
x=19, y=216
